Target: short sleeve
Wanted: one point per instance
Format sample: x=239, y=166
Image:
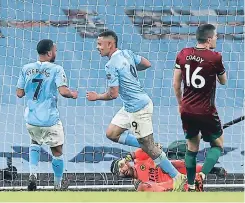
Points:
x=60, y=77
x=21, y=80
x=177, y=62
x=112, y=77
x=220, y=69
x=136, y=57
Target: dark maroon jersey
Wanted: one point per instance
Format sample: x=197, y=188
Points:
x=199, y=69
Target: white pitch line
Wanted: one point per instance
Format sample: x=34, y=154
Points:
x=119, y=202
x=93, y=187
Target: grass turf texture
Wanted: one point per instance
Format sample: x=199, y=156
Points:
x=43, y=196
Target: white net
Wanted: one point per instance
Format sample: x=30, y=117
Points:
x=154, y=29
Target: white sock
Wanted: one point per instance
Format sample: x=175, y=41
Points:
x=177, y=176
x=192, y=187
x=203, y=175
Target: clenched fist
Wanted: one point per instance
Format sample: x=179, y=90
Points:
x=92, y=96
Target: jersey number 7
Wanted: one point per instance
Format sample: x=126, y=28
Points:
x=39, y=81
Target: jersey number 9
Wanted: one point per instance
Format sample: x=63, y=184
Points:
x=133, y=71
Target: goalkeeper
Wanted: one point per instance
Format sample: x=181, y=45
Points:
x=148, y=177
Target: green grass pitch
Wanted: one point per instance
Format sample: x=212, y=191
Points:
x=43, y=196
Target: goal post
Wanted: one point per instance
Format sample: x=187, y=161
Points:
x=155, y=29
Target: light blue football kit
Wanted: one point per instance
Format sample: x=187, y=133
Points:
x=137, y=108
x=121, y=71
x=40, y=81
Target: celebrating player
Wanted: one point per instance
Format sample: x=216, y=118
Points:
x=199, y=67
x=149, y=177
x=136, y=113
x=39, y=82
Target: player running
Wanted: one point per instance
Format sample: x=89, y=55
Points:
x=199, y=67
x=136, y=113
x=149, y=177
x=39, y=81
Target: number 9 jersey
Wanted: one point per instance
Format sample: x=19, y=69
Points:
x=40, y=81
x=121, y=71
x=199, y=68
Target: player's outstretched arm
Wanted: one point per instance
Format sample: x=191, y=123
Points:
x=62, y=84
x=67, y=93
x=111, y=94
x=143, y=65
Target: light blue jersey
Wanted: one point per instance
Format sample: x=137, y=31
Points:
x=40, y=81
x=121, y=71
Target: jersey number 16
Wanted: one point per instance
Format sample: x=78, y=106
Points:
x=191, y=80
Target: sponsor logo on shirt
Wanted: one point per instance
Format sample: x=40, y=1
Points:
x=142, y=167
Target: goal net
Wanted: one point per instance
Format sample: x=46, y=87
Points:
x=154, y=29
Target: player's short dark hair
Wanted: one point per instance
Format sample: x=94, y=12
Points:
x=204, y=32
x=109, y=33
x=44, y=46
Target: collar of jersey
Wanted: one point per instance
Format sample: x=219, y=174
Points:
x=116, y=52
x=39, y=62
x=199, y=48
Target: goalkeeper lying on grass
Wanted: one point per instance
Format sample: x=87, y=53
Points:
x=148, y=177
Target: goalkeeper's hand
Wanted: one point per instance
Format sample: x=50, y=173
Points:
x=136, y=183
x=128, y=157
x=122, y=162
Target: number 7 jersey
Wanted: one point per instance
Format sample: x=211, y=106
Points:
x=40, y=81
x=199, y=68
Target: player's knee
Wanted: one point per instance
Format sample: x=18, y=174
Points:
x=111, y=135
x=216, y=144
x=193, y=143
x=193, y=146
x=57, y=151
x=219, y=142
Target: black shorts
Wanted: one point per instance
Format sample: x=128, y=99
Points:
x=209, y=126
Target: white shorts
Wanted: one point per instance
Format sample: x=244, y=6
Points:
x=52, y=136
x=140, y=122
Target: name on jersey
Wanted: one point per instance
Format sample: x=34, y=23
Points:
x=194, y=58
x=37, y=71
x=153, y=175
